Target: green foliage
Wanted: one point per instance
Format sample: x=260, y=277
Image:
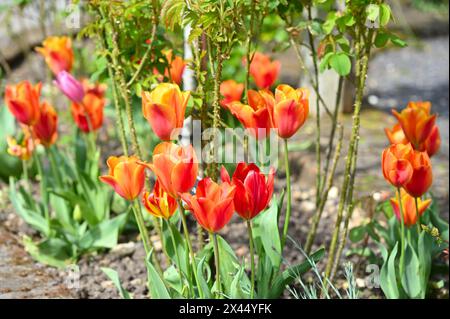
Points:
x=9, y=165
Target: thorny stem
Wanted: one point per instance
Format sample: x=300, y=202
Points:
x=318, y=125
x=353, y=147
x=217, y=262
x=289, y=194
x=252, y=258
x=329, y=184
x=249, y=55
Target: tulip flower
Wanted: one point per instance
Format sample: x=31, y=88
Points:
x=396, y=165
x=253, y=190
x=23, y=102
x=212, y=205
x=417, y=123
x=159, y=203
x=231, y=91
x=396, y=135
x=176, y=68
x=288, y=110
x=411, y=211
x=58, y=54
x=97, y=89
x=165, y=108
x=264, y=71
x=24, y=150
x=176, y=168
x=46, y=127
x=422, y=174
x=88, y=115
x=254, y=116
x=126, y=176
x=70, y=86
x=433, y=143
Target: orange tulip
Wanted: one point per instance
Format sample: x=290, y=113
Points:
x=288, y=110
x=24, y=150
x=396, y=165
x=159, y=203
x=416, y=122
x=176, y=68
x=212, y=205
x=165, y=108
x=254, y=116
x=88, y=115
x=231, y=91
x=126, y=176
x=422, y=174
x=46, y=128
x=58, y=53
x=97, y=89
x=410, y=215
x=264, y=71
x=176, y=167
x=23, y=102
x=396, y=135
x=433, y=143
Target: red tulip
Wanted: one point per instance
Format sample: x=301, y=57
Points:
x=159, y=203
x=396, y=135
x=254, y=116
x=433, y=143
x=88, y=115
x=422, y=174
x=231, y=92
x=126, y=176
x=396, y=165
x=176, y=167
x=46, y=129
x=212, y=205
x=23, y=102
x=264, y=71
x=165, y=108
x=253, y=190
x=410, y=214
x=416, y=122
x=288, y=110
x=58, y=53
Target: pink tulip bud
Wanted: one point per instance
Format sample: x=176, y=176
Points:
x=70, y=86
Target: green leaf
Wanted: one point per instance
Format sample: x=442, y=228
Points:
x=425, y=258
x=53, y=251
x=287, y=277
x=397, y=41
x=381, y=39
x=9, y=165
x=267, y=223
x=203, y=283
x=341, y=63
x=236, y=290
x=385, y=14
x=156, y=284
x=357, y=234
x=373, y=12
x=183, y=253
x=411, y=279
x=114, y=277
x=388, y=277
x=104, y=235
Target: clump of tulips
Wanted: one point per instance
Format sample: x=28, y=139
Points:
x=407, y=166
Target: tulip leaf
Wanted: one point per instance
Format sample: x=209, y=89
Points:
x=388, y=278
x=357, y=234
x=288, y=276
x=236, y=289
x=202, y=281
x=411, y=277
x=179, y=244
x=52, y=251
x=424, y=251
x=114, y=277
x=266, y=223
x=156, y=284
x=104, y=235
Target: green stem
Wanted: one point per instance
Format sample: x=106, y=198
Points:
x=402, y=235
x=177, y=255
x=190, y=248
x=252, y=258
x=26, y=176
x=416, y=201
x=289, y=195
x=42, y=184
x=54, y=167
x=217, y=262
x=148, y=246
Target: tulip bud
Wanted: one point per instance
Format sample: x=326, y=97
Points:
x=70, y=86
